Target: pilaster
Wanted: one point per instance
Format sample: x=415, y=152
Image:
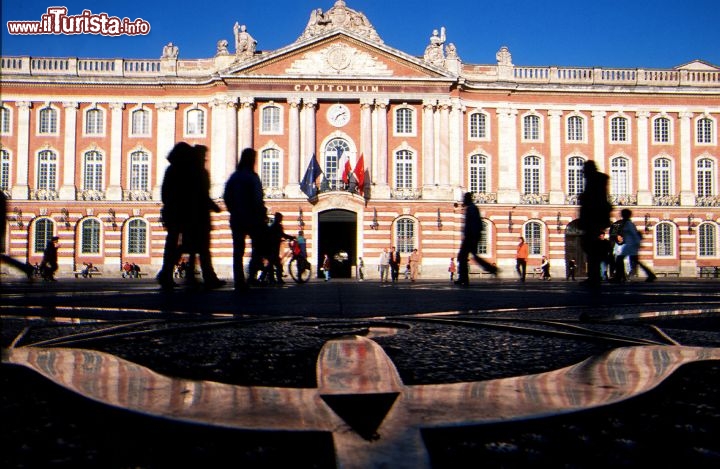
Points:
x=599, y=136
x=508, y=192
x=114, y=189
x=687, y=196
x=20, y=190
x=644, y=196
x=164, y=143
x=557, y=194
x=380, y=158
x=67, y=188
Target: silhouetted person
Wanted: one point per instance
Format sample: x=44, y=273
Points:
x=248, y=216
x=571, y=268
x=176, y=200
x=395, y=261
x=196, y=240
x=26, y=268
x=276, y=233
x=471, y=237
x=594, y=218
x=49, y=264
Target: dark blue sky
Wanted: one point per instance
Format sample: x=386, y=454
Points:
x=602, y=33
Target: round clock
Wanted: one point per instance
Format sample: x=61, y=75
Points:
x=338, y=115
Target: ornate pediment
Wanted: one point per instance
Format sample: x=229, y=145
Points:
x=338, y=59
x=339, y=17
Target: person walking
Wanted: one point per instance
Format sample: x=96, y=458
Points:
x=394, y=264
x=631, y=240
x=361, y=269
x=471, y=237
x=571, y=268
x=276, y=233
x=414, y=264
x=325, y=267
x=593, y=219
x=521, y=259
x=49, y=263
x=384, y=265
x=452, y=268
x=545, y=268
x=243, y=197
x=196, y=238
x=176, y=199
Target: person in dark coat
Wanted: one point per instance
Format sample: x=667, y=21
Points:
x=471, y=237
x=276, y=234
x=26, y=268
x=176, y=200
x=49, y=264
x=248, y=216
x=196, y=240
x=594, y=219
x=395, y=261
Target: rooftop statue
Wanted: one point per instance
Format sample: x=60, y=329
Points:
x=435, y=51
x=170, y=51
x=244, y=43
x=339, y=17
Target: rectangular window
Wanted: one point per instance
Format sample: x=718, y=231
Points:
x=661, y=130
x=139, y=172
x=531, y=128
x=137, y=237
x=195, y=122
x=93, y=122
x=140, y=122
x=403, y=170
x=4, y=120
x=270, y=120
x=404, y=121
x=48, y=121
x=663, y=240
x=4, y=170
x=618, y=129
x=575, y=129
x=478, y=127
x=405, y=233
x=90, y=237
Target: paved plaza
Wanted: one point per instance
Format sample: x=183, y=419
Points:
x=115, y=373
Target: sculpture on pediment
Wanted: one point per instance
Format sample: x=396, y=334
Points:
x=245, y=44
x=435, y=51
x=339, y=17
x=170, y=51
x=451, y=51
x=503, y=56
x=222, y=47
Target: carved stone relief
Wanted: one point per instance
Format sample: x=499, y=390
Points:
x=336, y=60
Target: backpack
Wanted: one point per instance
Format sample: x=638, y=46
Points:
x=616, y=228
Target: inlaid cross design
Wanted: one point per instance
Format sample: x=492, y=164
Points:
x=375, y=419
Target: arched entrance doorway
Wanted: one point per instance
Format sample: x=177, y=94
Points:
x=337, y=237
x=573, y=248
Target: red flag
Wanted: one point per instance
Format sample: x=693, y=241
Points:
x=359, y=173
x=344, y=164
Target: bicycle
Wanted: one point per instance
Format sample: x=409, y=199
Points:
x=299, y=268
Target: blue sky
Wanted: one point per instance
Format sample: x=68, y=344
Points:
x=599, y=33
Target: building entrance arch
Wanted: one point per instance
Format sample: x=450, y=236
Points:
x=337, y=237
x=573, y=248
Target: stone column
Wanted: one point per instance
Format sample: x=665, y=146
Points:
x=294, y=158
x=644, y=195
x=428, y=140
x=67, y=186
x=599, y=136
x=309, y=129
x=457, y=138
x=443, y=155
x=687, y=196
x=222, y=141
x=164, y=143
x=508, y=192
x=555, y=189
x=366, y=130
x=114, y=189
x=245, y=124
x=380, y=157
x=20, y=190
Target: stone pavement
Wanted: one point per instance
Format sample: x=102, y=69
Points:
x=425, y=374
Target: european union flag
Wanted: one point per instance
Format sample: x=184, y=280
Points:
x=309, y=182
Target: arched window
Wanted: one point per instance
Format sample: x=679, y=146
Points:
x=48, y=121
x=531, y=175
x=4, y=170
x=664, y=240
x=270, y=168
x=575, y=129
x=404, y=169
x=704, y=130
x=195, y=122
x=334, y=151
x=619, y=176
x=707, y=240
x=478, y=174
x=404, y=124
x=533, y=237
x=44, y=229
x=90, y=236
x=5, y=124
x=531, y=127
x=661, y=130
x=478, y=125
x=618, y=129
x=706, y=178
x=575, y=181
x=47, y=170
x=270, y=120
x=140, y=122
x=94, y=122
x=139, y=171
x=405, y=239
x=137, y=237
x=661, y=177
x=93, y=171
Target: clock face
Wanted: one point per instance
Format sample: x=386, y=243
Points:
x=338, y=115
